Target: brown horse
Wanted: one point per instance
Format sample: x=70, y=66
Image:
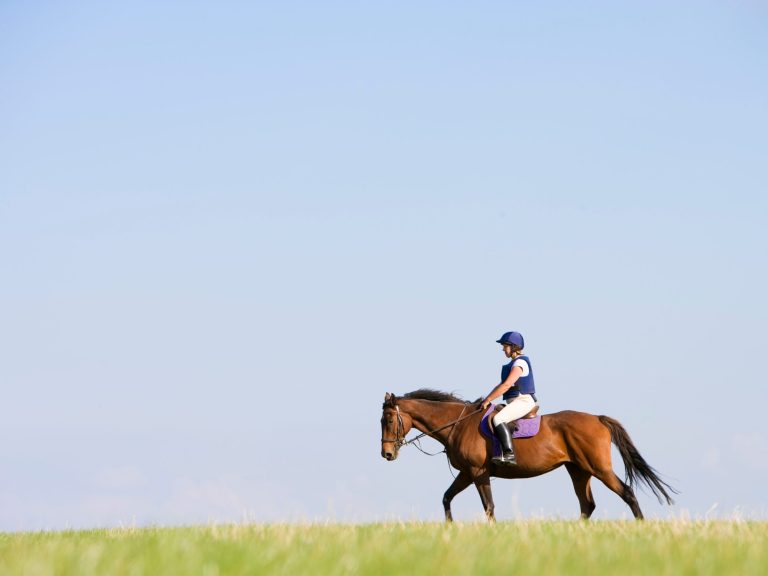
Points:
x=580, y=441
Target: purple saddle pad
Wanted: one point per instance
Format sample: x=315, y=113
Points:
x=526, y=428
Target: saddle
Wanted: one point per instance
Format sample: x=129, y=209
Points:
x=524, y=427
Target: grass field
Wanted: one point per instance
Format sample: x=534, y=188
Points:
x=531, y=546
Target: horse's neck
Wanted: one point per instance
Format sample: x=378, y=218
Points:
x=429, y=415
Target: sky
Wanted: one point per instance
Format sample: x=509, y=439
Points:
x=227, y=229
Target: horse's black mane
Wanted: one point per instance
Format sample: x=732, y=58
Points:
x=435, y=395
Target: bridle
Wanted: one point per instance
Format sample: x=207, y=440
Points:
x=400, y=426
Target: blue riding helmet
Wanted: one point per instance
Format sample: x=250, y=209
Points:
x=514, y=338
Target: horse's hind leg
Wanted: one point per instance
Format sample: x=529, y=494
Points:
x=626, y=493
x=483, y=484
x=459, y=483
x=580, y=479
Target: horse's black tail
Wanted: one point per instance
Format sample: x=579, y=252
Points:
x=638, y=470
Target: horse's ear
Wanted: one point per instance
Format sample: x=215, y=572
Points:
x=387, y=396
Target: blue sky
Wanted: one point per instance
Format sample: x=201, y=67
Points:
x=227, y=229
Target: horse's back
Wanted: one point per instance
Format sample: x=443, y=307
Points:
x=568, y=416
x=573, y=422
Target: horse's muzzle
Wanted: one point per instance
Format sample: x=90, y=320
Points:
x=388, y=455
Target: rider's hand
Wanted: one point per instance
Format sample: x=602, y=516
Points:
x=485, y=404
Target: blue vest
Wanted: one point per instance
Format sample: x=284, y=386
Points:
x=524, y=384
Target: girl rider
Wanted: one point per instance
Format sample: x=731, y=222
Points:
x=518, y=391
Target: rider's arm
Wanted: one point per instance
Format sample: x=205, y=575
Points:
x=514, y=374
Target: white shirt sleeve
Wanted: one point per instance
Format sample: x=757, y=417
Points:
x=523, y=366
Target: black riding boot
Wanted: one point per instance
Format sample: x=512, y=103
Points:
x=507, y=450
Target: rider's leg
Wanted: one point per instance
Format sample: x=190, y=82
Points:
x=507, y=448
x=517, y=408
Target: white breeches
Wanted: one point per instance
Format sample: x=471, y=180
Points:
x=517, y=408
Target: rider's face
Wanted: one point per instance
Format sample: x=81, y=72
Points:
x=508, y=350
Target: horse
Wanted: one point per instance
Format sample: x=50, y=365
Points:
x=579, y=441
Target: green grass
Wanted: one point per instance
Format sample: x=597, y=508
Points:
x=538, y=547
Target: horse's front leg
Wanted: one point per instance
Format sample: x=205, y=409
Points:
x=483, y=484
x=459, y=483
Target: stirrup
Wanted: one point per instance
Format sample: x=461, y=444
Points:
x=507, y=459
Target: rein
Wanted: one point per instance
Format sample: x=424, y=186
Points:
x=400, y=441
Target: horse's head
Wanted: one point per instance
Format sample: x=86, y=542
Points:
x=395, y=424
